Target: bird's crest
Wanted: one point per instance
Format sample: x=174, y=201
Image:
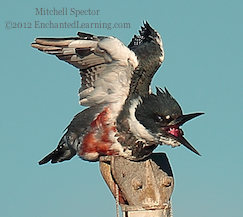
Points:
x=161, y=103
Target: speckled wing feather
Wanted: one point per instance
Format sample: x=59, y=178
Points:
x=148, y=47
x=106, y=65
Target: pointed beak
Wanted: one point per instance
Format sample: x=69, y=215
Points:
x=178, y=134
x=184, y=118
x=184, y=142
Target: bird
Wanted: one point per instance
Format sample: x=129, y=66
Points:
x=123, y=117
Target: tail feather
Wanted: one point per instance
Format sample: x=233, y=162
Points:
x=61, y=153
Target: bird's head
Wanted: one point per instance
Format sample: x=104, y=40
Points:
x=162, y=116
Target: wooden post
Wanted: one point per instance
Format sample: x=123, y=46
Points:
x=144, y=187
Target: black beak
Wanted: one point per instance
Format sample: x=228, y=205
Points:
x=184, y=118
x=184, y=142
x=180, y=121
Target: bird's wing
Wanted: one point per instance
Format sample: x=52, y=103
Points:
x=106, y=65
x=148, y=47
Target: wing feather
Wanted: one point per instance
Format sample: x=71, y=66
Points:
x=106, y=65
x=148, y=47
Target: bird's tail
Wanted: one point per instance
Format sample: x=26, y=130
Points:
x=61, y=153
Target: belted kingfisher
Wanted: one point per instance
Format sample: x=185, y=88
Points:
x=123, y=117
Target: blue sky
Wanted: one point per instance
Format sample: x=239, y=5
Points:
x=202, y=70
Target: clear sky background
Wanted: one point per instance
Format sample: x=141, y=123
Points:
x=38, y=96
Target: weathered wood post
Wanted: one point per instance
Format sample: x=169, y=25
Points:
x=143, y=188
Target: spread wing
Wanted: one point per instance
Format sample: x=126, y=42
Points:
x=148, y=47
x=106, y=65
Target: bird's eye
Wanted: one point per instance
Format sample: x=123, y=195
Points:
x=158, y=119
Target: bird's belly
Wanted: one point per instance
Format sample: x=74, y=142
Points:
x=98, y=142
